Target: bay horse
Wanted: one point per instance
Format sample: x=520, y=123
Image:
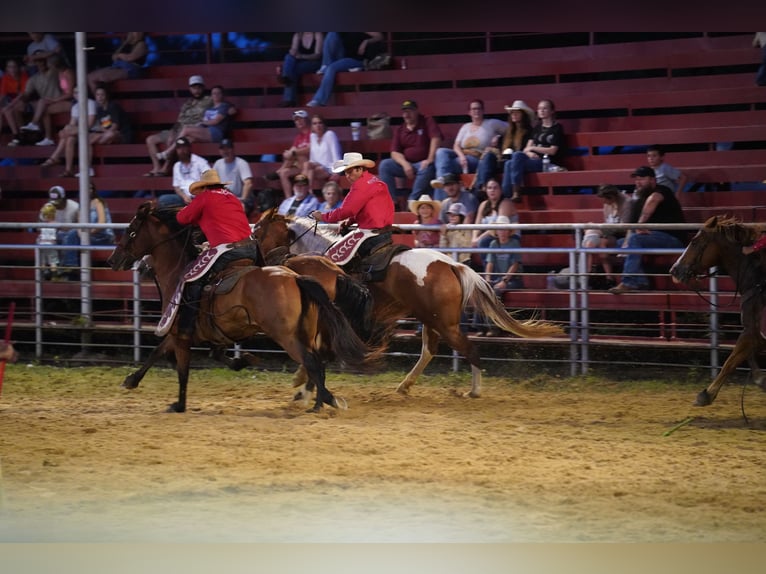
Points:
x=423, y=283
x=291, y=309
x=719, y=244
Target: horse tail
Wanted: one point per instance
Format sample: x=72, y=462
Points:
x=338, y=339
x=354, y=300
x=480, y=294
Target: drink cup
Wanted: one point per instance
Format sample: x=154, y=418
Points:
x=356, y=131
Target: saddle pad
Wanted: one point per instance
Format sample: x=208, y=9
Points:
x=194, y=270
x=346, y=247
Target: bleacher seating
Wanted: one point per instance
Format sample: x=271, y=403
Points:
x=613, y=99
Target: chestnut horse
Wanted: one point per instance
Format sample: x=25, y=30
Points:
x=719, y=244
x=423, y=283
x=291, y=309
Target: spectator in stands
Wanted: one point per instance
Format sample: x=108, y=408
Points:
x=303, y=57
x=98, y=213
x=427, y=211
x=67, y=210
x=547, y=139
x=413, y=151
x=302, y=202
x=49, y=258
x=760, y=40
x=471, y=142
x=454, y=193
x=333, y=196
x=324, y=151
x=617, y=209
x=12, y=83
x=127, y=62
x=191, y=114
x=188, y=169
x=666, y=174
x=492, y=208
x=47, y=107
x=295, y=157
x=237, y=171
x=503, y=270
x=42, y=46
x=451, y=236
x=112, y=125
x=43, y=84
x=344, y=51
x=520, y=120
x=67, y=136
x=654, y=204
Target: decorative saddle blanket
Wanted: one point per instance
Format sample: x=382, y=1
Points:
x=194, y=270
x=346, y=247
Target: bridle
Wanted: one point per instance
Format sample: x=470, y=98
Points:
x=132, y=232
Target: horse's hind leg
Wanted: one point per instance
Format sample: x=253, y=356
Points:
x=234, y=363
x=456, y=339
x=183, y=358
x=756, y=374
x=316, y=373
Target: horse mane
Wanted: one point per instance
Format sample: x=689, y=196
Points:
x=732, y=229
x=189, y=235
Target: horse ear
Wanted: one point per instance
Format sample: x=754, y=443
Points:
x=712, y=222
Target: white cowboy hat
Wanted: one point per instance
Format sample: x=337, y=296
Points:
x=425, y=199
x=210, y=178
x=522, y=105
x=351, y=159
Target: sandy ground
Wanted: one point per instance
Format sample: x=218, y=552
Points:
x=541, y=460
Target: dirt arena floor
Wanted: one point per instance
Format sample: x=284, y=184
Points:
x=535, y=460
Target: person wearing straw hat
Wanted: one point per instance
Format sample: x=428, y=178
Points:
x=427, y=210
x=520, y=121
x=219, y=214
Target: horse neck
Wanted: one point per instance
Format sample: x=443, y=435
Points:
x=309, y=240
x=737, y=266
x=169, y=260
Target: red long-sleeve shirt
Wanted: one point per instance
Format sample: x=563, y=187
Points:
x=219, y=214
x=368, y=204
x=760, y=244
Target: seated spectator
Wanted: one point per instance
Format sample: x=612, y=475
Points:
x=324, y=150
x=303, y=57
x=760, y=40
x=12, y=83
x=342, y=52
x=98, y=213
x=654, y=204
x=47, y=107
x=332, y=195
x=187, y=170
x=547, y=139
x=667, y=175
x=617, y=209
x=413, y=151
x=295, y=157
x=127, y=62
x=503, y=270
x=42, y=46
x=453, y=237
x=67, y=211
x=489, y=211
x=520, y=120
x=473, y=139
x=427, y=211
x=453, y=192
x=67, y=136
x=112, y=125
x=191, y=114
x=302, y=202
x=236, y=171
x=43, y=84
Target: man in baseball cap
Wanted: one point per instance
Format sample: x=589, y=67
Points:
x=196, y=80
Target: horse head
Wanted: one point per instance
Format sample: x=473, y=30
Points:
x=718, y=243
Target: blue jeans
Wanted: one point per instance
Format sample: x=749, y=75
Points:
x=71, y=257
x=389, y=170
x=760, y=78
x=633, y=271
x=294, y=69
x=515, y=168
x=335, y=61
x=446, y=162
x=487, y=168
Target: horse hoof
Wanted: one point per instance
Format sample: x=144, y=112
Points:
x=339, y=403
x=471, y=395
x=175, y=408
x=315, y=409
x=403, y=390
x=129, y=383
x=703, y=399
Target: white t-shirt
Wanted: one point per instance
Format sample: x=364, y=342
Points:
x=478, y=139
x=75, y=112
x=236, y=172
x=186, y=174
x=327, y=151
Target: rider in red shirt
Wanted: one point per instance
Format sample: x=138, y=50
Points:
x=220, y=216
x=747, y=250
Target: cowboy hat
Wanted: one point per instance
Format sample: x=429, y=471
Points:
x=425, y=199
x=351, y=159
x=521, y=105
x=210, y=178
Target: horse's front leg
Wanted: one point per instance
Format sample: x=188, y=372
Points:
x=133, y=379
x=183, y=358
x=742, y=350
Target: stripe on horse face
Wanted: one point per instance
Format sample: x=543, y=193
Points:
x=418, y=260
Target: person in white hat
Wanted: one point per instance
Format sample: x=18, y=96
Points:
x=368, y=203
x=219, y=215
x=520, y=121
x=427, y=210
x=191, y=114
